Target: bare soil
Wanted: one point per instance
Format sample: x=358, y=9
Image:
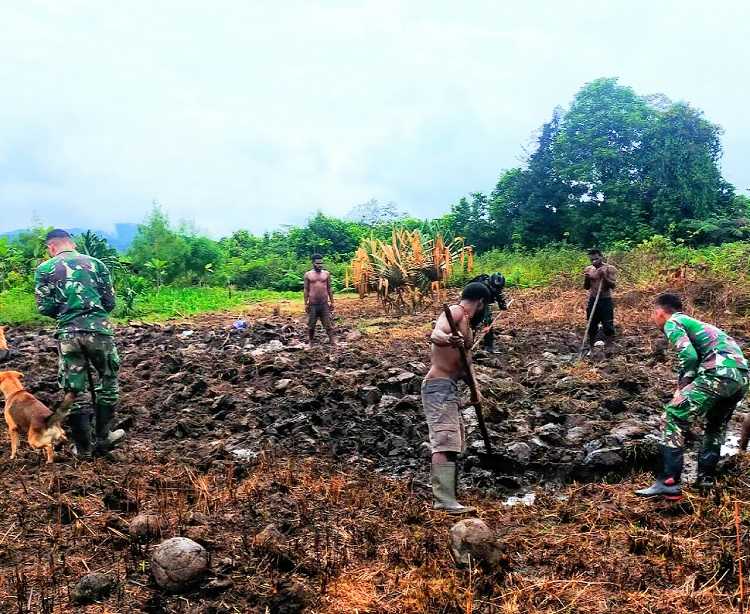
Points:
x=230, y=431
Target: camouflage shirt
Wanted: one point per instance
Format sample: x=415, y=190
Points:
x=702, y=347
x=76, y=290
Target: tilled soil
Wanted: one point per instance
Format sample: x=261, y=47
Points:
x=232, y=430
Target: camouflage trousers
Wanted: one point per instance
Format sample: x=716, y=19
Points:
x=712, y=398
x=80, y=352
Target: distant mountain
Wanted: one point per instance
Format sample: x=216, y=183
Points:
x=120, y=239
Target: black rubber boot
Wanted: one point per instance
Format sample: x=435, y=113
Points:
x=673, y=462
x=106, y=440
x=707, y=462
x=667, y=482
x=80, y=433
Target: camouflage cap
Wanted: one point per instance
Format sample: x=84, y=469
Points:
x=57, y=233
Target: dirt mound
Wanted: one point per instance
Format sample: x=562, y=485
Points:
x=212, y=395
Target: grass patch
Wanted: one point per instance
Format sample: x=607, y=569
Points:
x=18, y=307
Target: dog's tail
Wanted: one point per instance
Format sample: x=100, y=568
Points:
x=60, y=413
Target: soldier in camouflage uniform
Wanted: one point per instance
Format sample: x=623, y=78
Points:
x=495, y=284
x=76, y=290
x=713, y=379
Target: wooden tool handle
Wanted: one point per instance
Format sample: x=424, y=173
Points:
x=471, y=381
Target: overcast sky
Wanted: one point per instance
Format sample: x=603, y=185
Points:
x=254, y=114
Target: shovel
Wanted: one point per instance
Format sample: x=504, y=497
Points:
x=472, y=383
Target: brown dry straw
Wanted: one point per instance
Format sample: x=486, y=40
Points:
x=739, y=556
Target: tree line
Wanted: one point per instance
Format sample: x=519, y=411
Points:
x=614, y=169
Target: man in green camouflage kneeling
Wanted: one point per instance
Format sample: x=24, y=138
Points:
x=713, y=379
x=77, y=291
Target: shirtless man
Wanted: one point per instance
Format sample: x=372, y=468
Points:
x=440, y=394
x=599, y=273
x=318, y=299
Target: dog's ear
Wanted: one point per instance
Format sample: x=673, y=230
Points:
x=8, y=374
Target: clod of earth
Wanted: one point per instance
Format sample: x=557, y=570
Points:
x=178, y=564
x=473, y=542
x=145, y=527
x=92, y=587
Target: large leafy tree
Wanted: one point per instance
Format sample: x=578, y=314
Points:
x=156, y=241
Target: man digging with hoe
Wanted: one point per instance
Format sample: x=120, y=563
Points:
x=440, y=394
x=599, y=279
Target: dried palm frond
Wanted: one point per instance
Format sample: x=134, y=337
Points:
x=408, y=268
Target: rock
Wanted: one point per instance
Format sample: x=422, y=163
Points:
x=520, y=451
x=178, y=563
x=369, y=394
x=92, y=587
x=604, y=457
x=272, y=346
x=551, y=432
x=223, y=402
x=198, y=534
x=418, y=367
x=281, y=385
x=577, y=435
x=353, y=335
x=198, y=518
x=144, y=527
x=471, y=540
x=535, y=370
x=219, y=585
x=270, y=539
x=627, y=431
x=388, y=401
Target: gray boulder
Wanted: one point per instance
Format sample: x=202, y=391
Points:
x=178, y=564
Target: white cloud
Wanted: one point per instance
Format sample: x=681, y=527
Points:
x=253, y=115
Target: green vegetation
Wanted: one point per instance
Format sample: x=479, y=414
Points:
x=635, y=175
x=17, y=306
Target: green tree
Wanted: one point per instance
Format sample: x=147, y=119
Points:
x=155, y=240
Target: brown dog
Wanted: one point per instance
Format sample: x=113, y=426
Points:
x=23, y=412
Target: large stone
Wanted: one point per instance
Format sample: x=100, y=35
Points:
x=627, y=431
x=604, y=457
x=472, y=541
x=92, y=587
x=520, y=451
x=281, y=385
x=178, y=564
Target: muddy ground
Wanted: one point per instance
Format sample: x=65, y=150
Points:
x=230, y=431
